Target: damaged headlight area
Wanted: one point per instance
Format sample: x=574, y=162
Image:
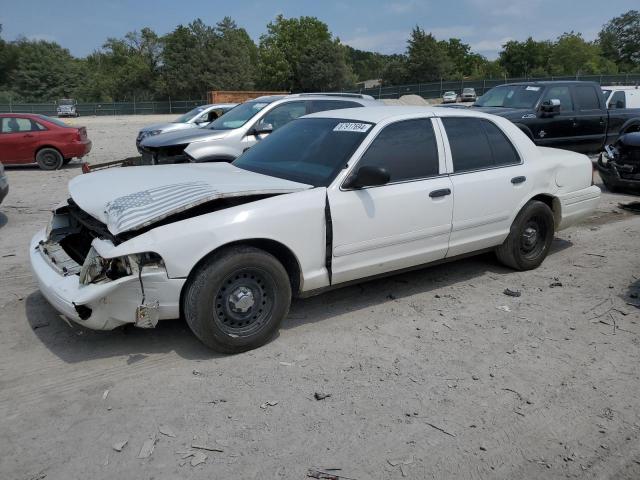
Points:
x=97, y=269
x=68, y=248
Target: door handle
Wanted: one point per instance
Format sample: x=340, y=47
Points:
x=443, y=192
x=518, y=180
x=28, y=135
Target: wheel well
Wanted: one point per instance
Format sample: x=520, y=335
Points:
x=284, y=255
x=553, y=203
x=632, y=127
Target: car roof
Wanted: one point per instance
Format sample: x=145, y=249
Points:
x=552, y=82
x=26, y=115
x=219, y=105
x=389, y=112
x=355, y=97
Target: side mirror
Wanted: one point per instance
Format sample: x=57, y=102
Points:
x=262, y=128
x=367, y=176
x=550, y=107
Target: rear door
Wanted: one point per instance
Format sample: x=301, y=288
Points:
x=403, y=223
x=17, y=140
x=591, y=118
x=489, y=182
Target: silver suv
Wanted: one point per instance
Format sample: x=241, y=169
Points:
x=224, y=139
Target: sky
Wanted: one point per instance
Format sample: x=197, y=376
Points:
x=376, y=25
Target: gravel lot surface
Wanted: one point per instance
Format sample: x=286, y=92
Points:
x=431, y=374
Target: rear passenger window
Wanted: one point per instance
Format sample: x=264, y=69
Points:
x=324, y=105
x=586, y=98
x=477, y=144
x=407, y=150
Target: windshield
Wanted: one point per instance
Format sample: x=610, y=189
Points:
x=189, y=115
x=468, y=90
x=238, y=116
x=511, y=96
x=449, y=93
x=308, y=150
x=66, y=101
x=60, y=123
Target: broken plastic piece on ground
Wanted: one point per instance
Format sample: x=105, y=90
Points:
x=198, y=458
x=321, y=396
x=147, y=448
x=119, y=444
x=512, y=293
x=268, y=404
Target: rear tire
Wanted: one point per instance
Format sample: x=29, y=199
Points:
x=49, y=159
x=236, y=300
x=530, y=237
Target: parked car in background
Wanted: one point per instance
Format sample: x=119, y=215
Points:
x=67, y=107
x=331, y=198
x=224, y=139
x=468, y=95
x=621, y=97
x=619, y=164
x=449, y=97
x=563, y=114
x=198, y=117
x=49, y=142
x=4, y=183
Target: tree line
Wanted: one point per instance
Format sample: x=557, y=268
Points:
x=295, y=54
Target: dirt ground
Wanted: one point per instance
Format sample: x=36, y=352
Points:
x=431, y=374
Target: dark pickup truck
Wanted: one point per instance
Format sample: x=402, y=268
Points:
x=570, y=115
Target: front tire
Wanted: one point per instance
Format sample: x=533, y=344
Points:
x=530, y=237
x=236, y=300
x=49, y=159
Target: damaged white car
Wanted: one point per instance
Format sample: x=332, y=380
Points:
x=330, y=198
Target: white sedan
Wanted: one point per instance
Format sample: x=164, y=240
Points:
x=330, y=198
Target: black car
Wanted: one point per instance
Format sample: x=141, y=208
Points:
x=570, y=115
x=619, y=164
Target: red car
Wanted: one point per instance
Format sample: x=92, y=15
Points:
x=32, y=138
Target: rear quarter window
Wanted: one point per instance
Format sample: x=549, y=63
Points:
x=586, y=98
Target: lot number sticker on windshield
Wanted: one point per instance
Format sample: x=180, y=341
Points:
x=352, y=127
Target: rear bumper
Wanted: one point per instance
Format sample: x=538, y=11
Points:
x=109, y=304
x=578, y=205
x=78, y=149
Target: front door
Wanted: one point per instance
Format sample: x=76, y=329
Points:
x=558, y=130
x=403, y=223
x=17, y=140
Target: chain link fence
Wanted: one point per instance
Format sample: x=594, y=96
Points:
x=107, y=108
x=434, y=90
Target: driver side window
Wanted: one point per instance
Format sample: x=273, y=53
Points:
x=285, y=113
x=561, y=93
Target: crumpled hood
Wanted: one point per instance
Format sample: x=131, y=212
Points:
x=182, y=137
x=133, y=197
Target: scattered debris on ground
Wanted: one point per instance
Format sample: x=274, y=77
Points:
x=512, y=293
x=119, y=444
x=147, y=448
x=166, y=430
x=268, y=404
x=321, y=396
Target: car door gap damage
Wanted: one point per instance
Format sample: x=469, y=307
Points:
x=329, y=238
